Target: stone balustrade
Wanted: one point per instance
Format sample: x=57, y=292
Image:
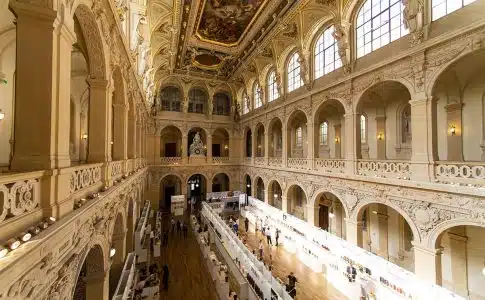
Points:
x=336, y=166
x=298, y=163
x=171, y=160
x=116, y=169
x=470, y=173
x=384, y=168
x=275, y=161
x=219, y=160
x=85, y=176
x=260, y=160
x=248, y=160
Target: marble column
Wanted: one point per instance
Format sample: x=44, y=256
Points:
x=312, y=215
x=311, y=145
x=42, y=100
x=138, y=139
x=422, y=140
x=185, y=149
x=459, y=270
x=120, y=134
x=131, y=134
x=284, y=204
x=427, y=264
x=353, y=231
x=209, y=147
x=383, y=227
x=352, y=142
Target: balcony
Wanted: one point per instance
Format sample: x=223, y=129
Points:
x=221, y=160
x=275, y=161
x=298, y=163
x=463, y=173
x=384, y=168
x=168, y=161
x=260, y=161
x=334, y=166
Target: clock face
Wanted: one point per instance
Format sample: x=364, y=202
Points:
x=197, y=151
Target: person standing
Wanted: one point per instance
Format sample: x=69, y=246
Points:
x=261, y=247
x=165, y=277
x=246, y=224
x=185, y=229
x=181, y=227
x=268, y=237
x=173, y=225
x=277, y=236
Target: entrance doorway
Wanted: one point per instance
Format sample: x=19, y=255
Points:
x=169, y=186
x=196, y=188
x=323, y=217
x=169, y=192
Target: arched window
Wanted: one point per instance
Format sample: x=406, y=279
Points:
x=272, y=87
x=170, y=98
x=379, y=22
x=197, y=101
x=441, y=8
x=257, y=96
x=245, y=103
x=363, y=129
x=327, y=58
x=222, y=104
x=323, y=133
x=294, y=78
x=299, y=137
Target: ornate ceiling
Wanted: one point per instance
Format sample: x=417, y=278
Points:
x=216, y=39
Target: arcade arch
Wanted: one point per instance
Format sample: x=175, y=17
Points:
x=170, y=142
x=247, y=184
x=197, y=187
x=221, y=183
x=260, y=189
x=275, y=130
x=220, y=143
x=297, y=202
x=275, y=194
x=260, y=140
x=91, y=283
x=330, y=214
x=170, y=185
x=329, y=126
x=297, y=135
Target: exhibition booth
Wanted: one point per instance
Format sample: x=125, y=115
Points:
x=353, y=271
x=142, y=228
x=262, y=283
x=228, y=201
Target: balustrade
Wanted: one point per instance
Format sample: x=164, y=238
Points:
x=219, y=160
x=85, y=176
x=19, y=194
x=171, y=160
x=460, y=172
x=248, y=160
x=259, y=161
x=275, y=161
x=384, y=168
x=116, y=169
x=329, y=165
x=298, y=163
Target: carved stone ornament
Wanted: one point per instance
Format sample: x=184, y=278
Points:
x=197, y=146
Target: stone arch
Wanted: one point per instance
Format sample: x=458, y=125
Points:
x=90, y=30
x=272, y=200
x=246, y=179
x=293, y=184
x=356, y=214
x=297, y=209
x=431, y=239
x=118, y=243
x=317, y=28
x=408, y=85
x=226, y=175
x=292, y=114
x=282, y=61
x=259, y=194
x=326, y=101
x=337, y=194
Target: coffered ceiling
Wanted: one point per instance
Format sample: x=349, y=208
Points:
x=214, y=39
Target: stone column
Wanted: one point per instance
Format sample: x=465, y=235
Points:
x=427, y=264
x=157, y=141
x=353, y=231
x=254, y=147
x=458, y=253
x=42, y=105
x=422, y=139
x=352, y=142
x=285, y=146
x=381, y=136
x=337, y=141
x=266, y=145
x=454, y=127
x=138, y=139
x=383, y=227
x=209, y=146
x=311, y=144
x=131, y=134
x=120, y=134
x=284, y=204
x=312, y=215
x=185, y=146
x=99, y=121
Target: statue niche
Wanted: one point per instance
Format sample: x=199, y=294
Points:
x=197, y=147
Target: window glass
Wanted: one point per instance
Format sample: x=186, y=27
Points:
x=327, y=58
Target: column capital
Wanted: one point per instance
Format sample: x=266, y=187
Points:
x=419, y=101
x=457, y=237
x=426, y=250
x=454, y=106
x=39, y=12
x=353, y=222
x=97, y=83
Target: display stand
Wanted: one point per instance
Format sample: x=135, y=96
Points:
x=140, y=235
x=123, y=289
x=178, y=205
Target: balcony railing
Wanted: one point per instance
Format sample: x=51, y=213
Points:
x=19, y=194
x=220, y=160
x=171, y=160
x=116, y=169
x=329, y=165
x=461, y=172
x=85, y=176
x=275, y=161
x=384, y=168
x=298, y=163
x=248, y=160
x=260, y=160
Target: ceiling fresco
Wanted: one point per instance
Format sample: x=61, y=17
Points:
x=225, y=21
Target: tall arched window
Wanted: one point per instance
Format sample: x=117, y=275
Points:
x=294, y=78
x=363, y=129
x=327, y=58
x=222, y=104
x=323, y=133
x=272, y=87
x=379, y=22
x=245, y=103
x=170, y=98
x=441, y=8
x=299, y=137
x=197, y=101
x=258, y=102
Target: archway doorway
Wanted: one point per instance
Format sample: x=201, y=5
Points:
x=169, y=186
x=91, y=280
x=330, y=214
x=274, y=194
x=297, y=202
x=220, y=183
x=260, y=189
x=386, y=233
x=197, y=187
x=247, y=184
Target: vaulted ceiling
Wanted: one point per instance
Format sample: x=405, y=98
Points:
x=214, y=39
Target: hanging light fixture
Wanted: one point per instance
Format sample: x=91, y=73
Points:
x=112, y=252
x=3, y=251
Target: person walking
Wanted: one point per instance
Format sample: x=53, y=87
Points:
x=181, y=227
x=246, y=224
x=268, y=237
x=261, y=247
x=173, y=226
x=277, y=236
x=178, y=226
x=185, y=230
x=165, y=277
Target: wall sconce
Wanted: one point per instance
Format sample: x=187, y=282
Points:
x=248, y=185
x=2, y=115
x=275, y=196
x=337, y=140
x=226, y=147
x=483, y=269
x=3, y=251
x=111, y=142
x=453, y=129
x=84, y=136
x=112, y=252
x=259, y=146
x=380, y=136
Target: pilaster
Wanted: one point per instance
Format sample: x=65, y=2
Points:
x=427, y=264
x=422, y=139
x=353, y=231
x=99, y=121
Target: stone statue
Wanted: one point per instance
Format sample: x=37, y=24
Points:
x=197, y=146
